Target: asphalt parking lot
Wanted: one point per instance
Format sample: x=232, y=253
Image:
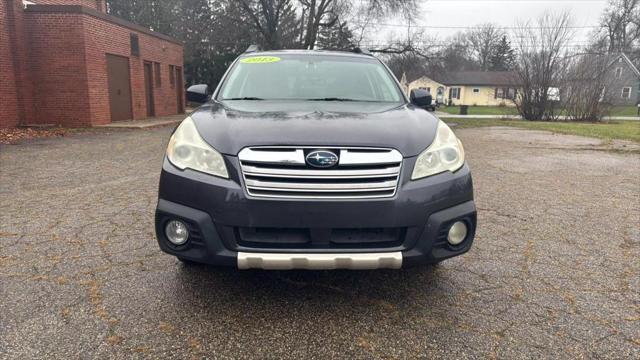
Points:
x=554, y=272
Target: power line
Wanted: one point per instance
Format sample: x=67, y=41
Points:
x=515, y=1
x=469, y=27
x=386, y=44
x=428, y=44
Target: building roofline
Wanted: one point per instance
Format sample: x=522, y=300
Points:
x=628, y=61
x=79, y=9
x=429, y=78
x=447, y=82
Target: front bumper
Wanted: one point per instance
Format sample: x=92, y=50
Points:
x=214, y=209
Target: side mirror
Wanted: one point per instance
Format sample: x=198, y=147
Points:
x=198, y=93
x=420, y=98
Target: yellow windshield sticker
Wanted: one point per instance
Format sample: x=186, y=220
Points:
x=260, y=60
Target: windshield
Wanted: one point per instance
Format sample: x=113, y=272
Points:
x=309, y=77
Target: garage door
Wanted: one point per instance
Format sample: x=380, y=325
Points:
x=119, y=87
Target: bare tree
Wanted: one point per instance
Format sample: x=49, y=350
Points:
x=621, y=24
x=412, y=57
x=378, y=9
x=455, y=56
x=324, y=24
x=585, y=94
x=320, y=15
x=483, y=41
x=290, y=23
x=541, y=64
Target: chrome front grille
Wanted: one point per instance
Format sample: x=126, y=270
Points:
x=282, y=172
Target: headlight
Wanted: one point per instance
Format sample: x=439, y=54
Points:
x=187, y=150
x=444, y=154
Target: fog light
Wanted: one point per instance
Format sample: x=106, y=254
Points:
x=457, y=233
x=176, y=232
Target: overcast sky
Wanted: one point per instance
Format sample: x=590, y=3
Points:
x=462, y=13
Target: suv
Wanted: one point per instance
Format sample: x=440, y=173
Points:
x=313, y=160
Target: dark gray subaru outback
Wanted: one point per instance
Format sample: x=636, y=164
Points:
x=313, y=160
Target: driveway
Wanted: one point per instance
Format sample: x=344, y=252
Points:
x=554, y=272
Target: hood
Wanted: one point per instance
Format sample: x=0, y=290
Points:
x=231, y=127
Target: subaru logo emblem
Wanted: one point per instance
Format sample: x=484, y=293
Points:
x=322, y=159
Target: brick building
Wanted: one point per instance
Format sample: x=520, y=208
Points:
x=67, y=62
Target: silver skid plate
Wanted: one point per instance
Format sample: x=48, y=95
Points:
x=353, y=261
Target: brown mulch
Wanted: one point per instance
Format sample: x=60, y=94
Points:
x=14, y=135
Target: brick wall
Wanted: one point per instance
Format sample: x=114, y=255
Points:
x=67, y=47
x=102, y=37
x=56, y=70
x=9, y=103
x=57, y=65
x=15, y=81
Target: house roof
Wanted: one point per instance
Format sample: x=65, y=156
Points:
x=628, y=61
x=479, y=78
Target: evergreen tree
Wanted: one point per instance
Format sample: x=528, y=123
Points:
x=503, y=56
x=336, y=37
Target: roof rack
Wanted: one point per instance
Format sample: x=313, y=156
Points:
x=363, y=51
x=253, y=48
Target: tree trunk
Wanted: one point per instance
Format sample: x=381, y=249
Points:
x=310, y=36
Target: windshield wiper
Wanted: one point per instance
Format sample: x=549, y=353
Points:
x=332, y=99
x=245, y=98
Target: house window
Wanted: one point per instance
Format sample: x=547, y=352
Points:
x=172, y=76
x=626, y=92
x=454, y=93
x=504, y=93
x=618, y=73
x=156, y=68
x=476, y=90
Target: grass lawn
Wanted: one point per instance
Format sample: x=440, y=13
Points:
x=506, y=110
x=624, y=111
x=481, y=110
x=623, y=130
